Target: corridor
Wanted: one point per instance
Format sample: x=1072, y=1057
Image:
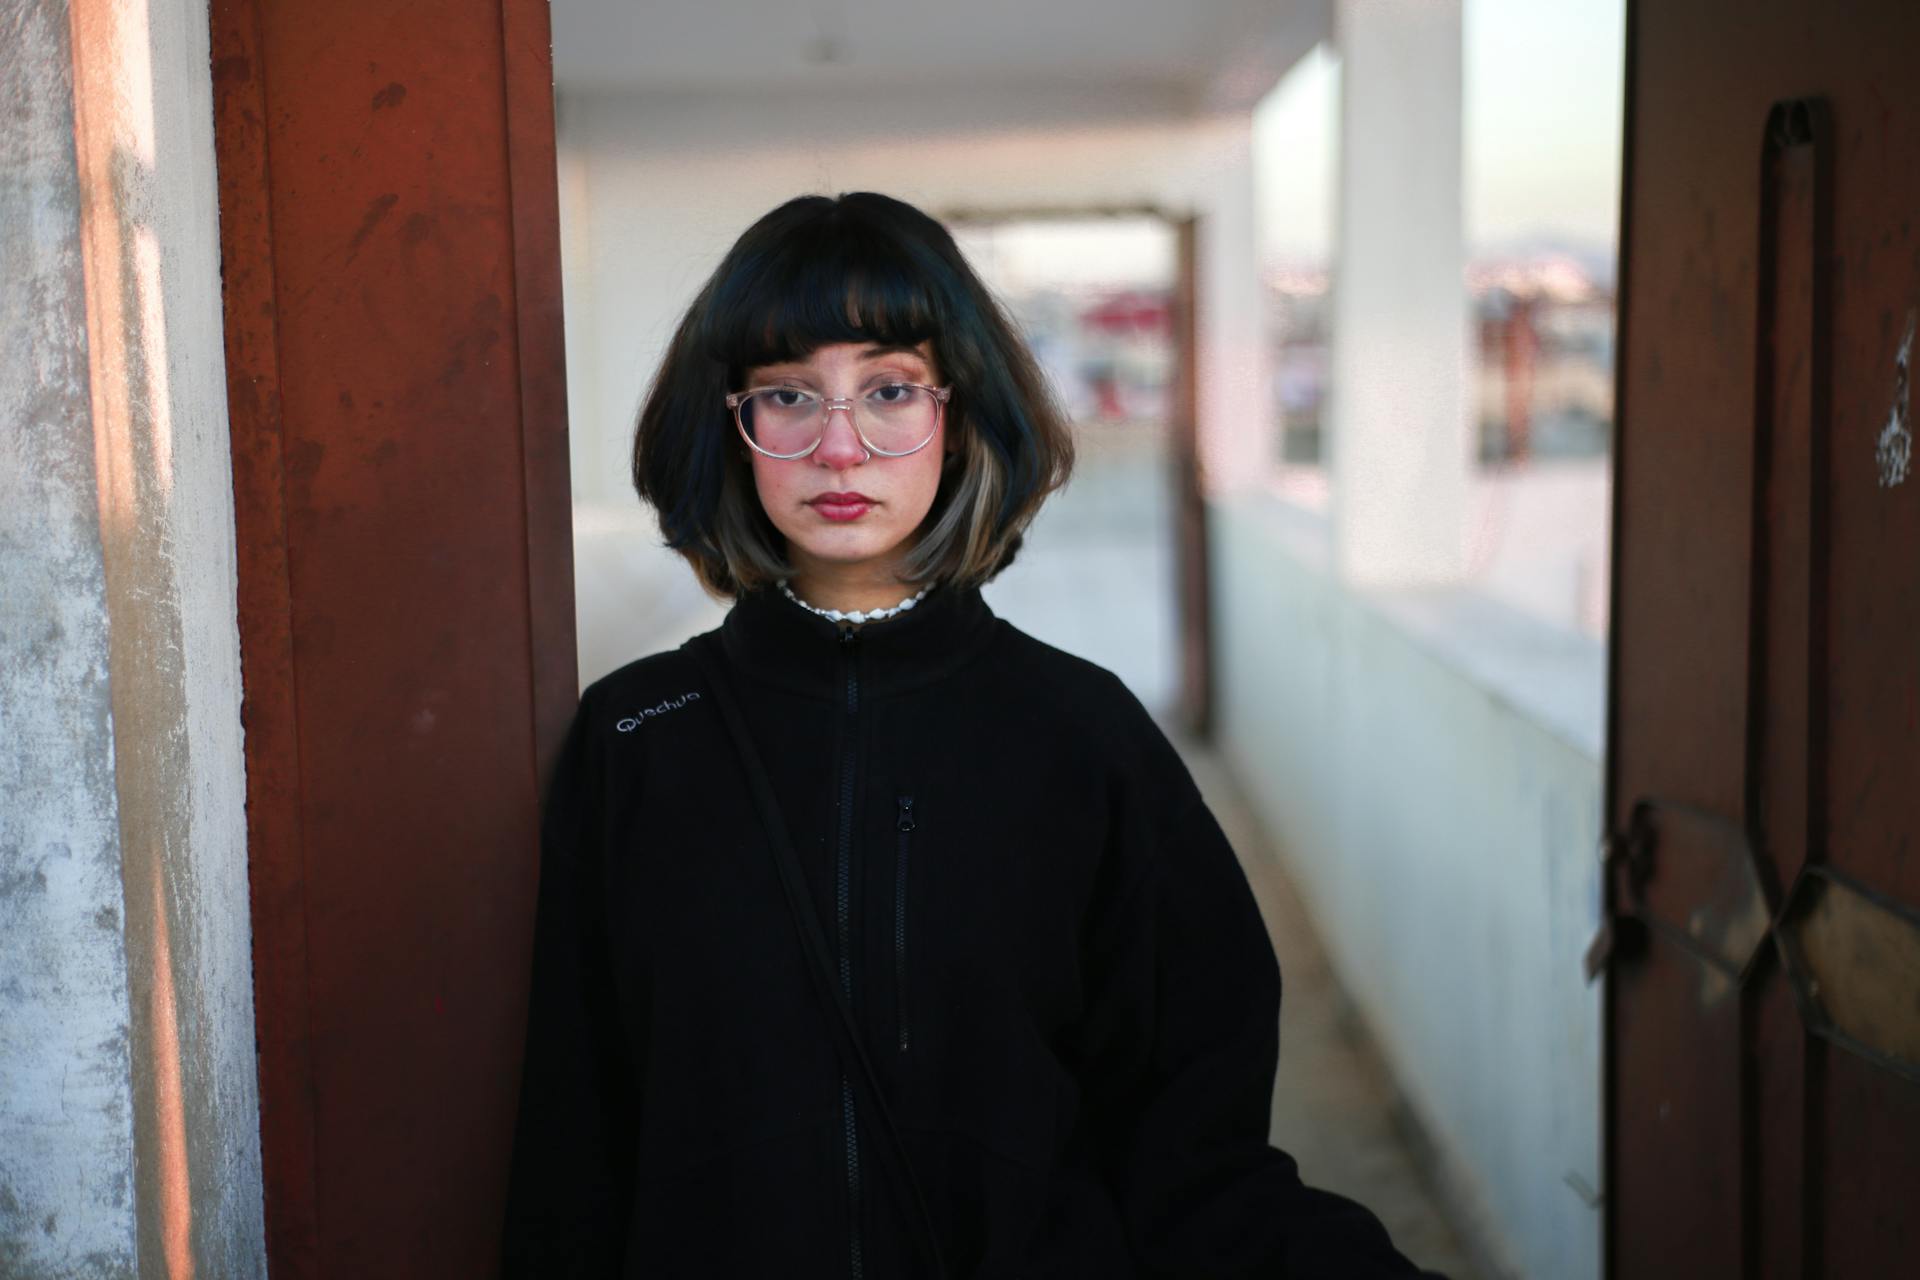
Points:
x=1335, y=1108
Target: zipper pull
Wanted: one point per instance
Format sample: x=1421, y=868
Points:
x=905, y=822
x=848, y=636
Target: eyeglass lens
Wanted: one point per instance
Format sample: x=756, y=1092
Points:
x=895, y=418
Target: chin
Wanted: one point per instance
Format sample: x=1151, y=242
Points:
x=851, y=555
x=847, y=551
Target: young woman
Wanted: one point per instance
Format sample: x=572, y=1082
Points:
x=876, y=938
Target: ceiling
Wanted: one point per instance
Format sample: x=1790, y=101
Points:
x=1211, y=49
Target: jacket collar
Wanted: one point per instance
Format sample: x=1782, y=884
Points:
x=773, y=640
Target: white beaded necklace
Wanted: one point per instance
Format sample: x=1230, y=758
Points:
x=856, y=615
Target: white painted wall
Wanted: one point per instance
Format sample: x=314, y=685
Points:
x=129, y=1115
x=1427, y=763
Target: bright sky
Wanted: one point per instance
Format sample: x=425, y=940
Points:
x=1542, y=117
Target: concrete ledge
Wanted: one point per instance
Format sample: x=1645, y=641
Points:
x=1426, y=768
x=1555, y=677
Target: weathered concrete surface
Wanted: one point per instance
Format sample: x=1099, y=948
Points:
x=151, y=232
x=66, y=1115
x=128, y=1104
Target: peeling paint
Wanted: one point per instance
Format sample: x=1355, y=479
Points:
x=1893, y=452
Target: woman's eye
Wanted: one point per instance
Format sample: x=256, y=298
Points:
x=788, y=398
x=892, y=393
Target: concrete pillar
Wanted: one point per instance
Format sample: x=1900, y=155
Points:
x=1236, y=425
x=129, y=1120
x=1399, y=447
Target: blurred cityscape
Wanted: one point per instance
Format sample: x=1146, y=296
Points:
x=1540, y=400
x=1542, y=385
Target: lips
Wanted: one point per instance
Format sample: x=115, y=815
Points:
x=841, y=506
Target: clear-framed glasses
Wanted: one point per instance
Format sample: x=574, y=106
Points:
x=892, y=419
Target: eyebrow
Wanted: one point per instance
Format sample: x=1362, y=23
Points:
x=895, y=348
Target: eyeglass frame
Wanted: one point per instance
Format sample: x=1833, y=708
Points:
x=941, y=395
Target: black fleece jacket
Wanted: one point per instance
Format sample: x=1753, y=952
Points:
x=1063, y=980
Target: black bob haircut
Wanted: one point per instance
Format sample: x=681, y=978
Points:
x=860, y=267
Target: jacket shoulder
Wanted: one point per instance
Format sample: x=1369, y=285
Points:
x=1103, y=713
x=1076, y=675
x=1073, y=682
x=643, y=684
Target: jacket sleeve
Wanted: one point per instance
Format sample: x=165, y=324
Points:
x=1185, y=1035
x=570, y=1186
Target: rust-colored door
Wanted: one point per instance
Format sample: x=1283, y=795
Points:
x=1763, y=784
x=390, y=263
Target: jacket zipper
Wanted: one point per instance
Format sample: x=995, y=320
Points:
x=904, y=824
x=843, y=922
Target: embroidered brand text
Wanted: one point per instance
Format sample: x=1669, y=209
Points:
x=627, y=724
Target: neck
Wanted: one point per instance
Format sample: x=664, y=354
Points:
x=849, y=587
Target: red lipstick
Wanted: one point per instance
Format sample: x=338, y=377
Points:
x=841, y=506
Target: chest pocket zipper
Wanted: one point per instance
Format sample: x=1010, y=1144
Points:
x=903, y=825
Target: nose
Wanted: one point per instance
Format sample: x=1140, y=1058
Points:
x=840, y=445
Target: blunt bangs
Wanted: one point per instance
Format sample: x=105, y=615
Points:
x=835, y=278
x=820, y=270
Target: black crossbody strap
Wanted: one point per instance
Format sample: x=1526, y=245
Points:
x=853, y=1056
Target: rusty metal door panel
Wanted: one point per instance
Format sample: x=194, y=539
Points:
x=1865, y=1201
x=391, y=266
x=1763, y=1107
x=1676, y=1055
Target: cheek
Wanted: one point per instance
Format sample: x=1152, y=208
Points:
x=922, y=479
x=773, y=483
